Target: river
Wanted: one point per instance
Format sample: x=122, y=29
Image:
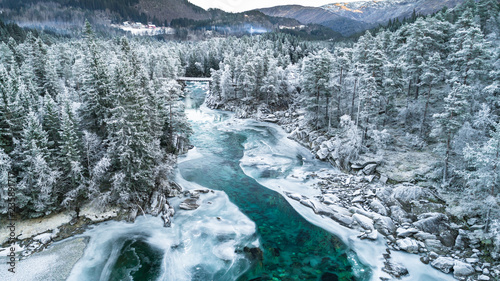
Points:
x=244, y=229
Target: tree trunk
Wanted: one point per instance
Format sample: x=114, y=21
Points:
x=447, y=159
x=425, y=112
x=317, y=109
x=407, y=103
x=327, y=115
x=353, y=98
x=418, y=89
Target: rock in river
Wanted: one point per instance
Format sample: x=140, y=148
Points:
x=189, y=204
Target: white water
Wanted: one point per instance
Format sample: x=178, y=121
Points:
x=280, y=156
x=199, y=245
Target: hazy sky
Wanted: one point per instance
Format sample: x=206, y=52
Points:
x=245, y=5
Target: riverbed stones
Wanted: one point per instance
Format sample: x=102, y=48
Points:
x=408, y=244
x=433, y=223
x=405, y=232
x=384, y=225
x=395, y=269
x=189, y=204
x=461, y=270
x=445, y=264
x=363, y=221
x=378, y=207
x=483, y=277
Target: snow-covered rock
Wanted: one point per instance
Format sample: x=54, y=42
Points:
x=330, y=199
x=445, y=264
x=399, y=215
x=408, y=244
x=405, y=193
x=189, y=204
x=363, y=221
x=385, y=225
x=461, y=270
x=395, y=269
x=43, y=238
x=378, y=207
x=433, y=223
x=322, y=153
x=483, y=277
x=405, y=232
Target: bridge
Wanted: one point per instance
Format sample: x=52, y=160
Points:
x=195, y=79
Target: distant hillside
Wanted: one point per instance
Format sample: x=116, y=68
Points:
x=164, y=11
x=353, y=17
x=67, y=17
x=383, y=11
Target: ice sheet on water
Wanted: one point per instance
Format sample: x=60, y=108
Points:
x=269, y=154
x=200, y=244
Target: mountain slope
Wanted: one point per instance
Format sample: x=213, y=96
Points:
x=349, y=18
x=167, y=10
x=382, y=11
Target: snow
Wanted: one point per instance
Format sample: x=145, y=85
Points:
x=31, y=227
x=54, y=263
x=258, y=158
x=192, y=242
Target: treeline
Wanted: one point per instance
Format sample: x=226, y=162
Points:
x=88, y=120
x=124, y=8
x=434, y=81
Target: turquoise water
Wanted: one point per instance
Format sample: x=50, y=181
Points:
x=293, y=249
x=241, y=231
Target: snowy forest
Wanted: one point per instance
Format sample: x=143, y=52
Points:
x=87, y=119
x=96, y=119
x=434, y=81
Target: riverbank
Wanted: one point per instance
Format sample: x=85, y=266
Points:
x=389, y=195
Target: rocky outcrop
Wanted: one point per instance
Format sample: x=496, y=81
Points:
x=445, y=264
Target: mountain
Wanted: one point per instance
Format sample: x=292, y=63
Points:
x=167, y=10
x=383, y=11
x=349, y=18
x=67, y=16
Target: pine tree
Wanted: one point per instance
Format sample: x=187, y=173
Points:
x=316, y=76
x=483, y=180
x=71, y=190
x=449, y=122
x=96, y=87
x=5, y=169
x=36, y=178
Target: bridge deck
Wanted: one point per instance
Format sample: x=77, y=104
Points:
x=200, y=79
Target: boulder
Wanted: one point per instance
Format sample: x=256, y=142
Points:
x=44, y=238
x=294, y=196
x=408, y=244
x=395, y=269
x=405, y=232
x=384, y=179
x=434, y=245
x=399, y=215
x=433, y=223
x=309, y=203
x=189, y=204
x=424, y=236
x=378, y=207
x=363, y=221
x=358, y=199
x=322, y=153
x=385, y=225
x=330, y=199
x=406, y=192
x=369, y=169
x=445, y=264
x=384, y=194
x=483, y=277
x=461, y=270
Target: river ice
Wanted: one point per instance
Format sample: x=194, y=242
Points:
x=200, y=245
